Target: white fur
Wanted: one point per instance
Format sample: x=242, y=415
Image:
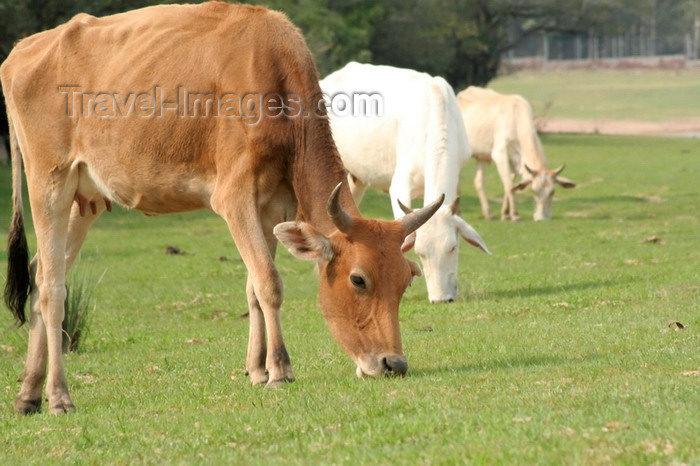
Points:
x=416, y=149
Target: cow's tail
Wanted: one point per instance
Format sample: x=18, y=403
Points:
x=18, y=281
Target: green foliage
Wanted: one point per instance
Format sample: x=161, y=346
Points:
x=335, y=33
x=461, y=40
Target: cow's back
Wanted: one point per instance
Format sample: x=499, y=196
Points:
x=412, y=104
x=487, y=116
x=507, y=120
x=372, y=157
x=162, y=51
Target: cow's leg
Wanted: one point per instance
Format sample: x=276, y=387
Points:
x=480, y=189
x=513, y=161
x=246, y=226
x=256, y=359
x=257, y=346
x=357, y=188
x=51, y=199
x=500, y=158
x=29, y=398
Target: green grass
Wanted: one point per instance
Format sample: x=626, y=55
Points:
x=557, y=352
x=640, y=95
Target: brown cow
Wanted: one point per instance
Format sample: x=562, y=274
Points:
x=175, y=108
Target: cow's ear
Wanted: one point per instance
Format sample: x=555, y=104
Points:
x=469, y=234
x=565, y=182
x=408, y=242
x=522, y=185
x=303, y=241
x=415, y=268
x=454, y=207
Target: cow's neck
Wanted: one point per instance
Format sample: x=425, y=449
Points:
x=317, y=170
x=531, y=150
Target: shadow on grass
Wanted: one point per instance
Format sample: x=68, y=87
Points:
x=533, y=290
x=623, y=206
x=487, y=367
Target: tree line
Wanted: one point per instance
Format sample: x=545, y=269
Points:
x=461, y=40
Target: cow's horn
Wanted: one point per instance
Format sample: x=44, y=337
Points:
x=341, y=219
x=558, y=170
x=412, y=221
x=406, y=210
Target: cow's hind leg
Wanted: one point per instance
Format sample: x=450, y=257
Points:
x=28, y=400
x=257, y=346
x=41, y=347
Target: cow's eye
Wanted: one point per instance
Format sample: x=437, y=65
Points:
x=358, y=281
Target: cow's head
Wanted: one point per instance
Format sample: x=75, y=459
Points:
x=543, y=182
x=437, y=245
x=363, y=275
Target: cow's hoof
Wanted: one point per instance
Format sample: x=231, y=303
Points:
x=279, y=382
x=27, y=407
x=257, y=377
x=62, y=407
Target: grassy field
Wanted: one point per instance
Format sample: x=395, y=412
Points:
x=647, y=95
x=558, y=351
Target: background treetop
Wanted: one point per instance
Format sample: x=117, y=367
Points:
x=461, y=40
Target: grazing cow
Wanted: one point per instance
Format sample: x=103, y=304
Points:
x=415, y=148
x=106, y=110
x=501, y=128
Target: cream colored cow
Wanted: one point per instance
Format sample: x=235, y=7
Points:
x=501, y=129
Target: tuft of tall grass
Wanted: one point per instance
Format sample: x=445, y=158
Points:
x=78, y=304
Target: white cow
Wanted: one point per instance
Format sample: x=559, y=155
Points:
x=501, y=128
x=411, y=143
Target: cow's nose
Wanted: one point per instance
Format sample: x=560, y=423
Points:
x=396, y=365
x=442, y=300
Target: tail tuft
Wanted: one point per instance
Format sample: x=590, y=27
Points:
x=18, y=284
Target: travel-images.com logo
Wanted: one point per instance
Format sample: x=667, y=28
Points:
x=250, y=107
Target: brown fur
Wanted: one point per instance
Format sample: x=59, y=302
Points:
x=255, y=176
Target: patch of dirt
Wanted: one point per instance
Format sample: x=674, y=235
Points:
x=687, y=128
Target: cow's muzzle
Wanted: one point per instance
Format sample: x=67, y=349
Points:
x=385, y=364
x=396, y=365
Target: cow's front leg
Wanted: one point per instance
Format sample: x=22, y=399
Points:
x=267, y=288
x=257, y=346
x=508, y=209
x=264, y=288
